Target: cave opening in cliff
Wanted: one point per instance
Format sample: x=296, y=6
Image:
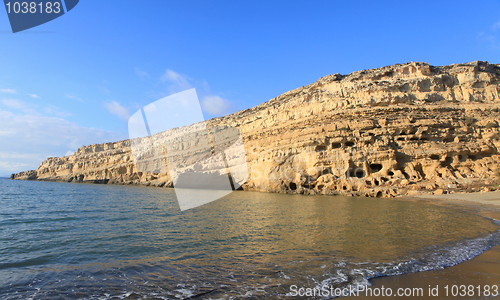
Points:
x=326, y=171
x=447, y=161
x=320, y=148
x=360, y=173
x=419, y=170
x=375, y=167
x=293, y=186
x=448, y=139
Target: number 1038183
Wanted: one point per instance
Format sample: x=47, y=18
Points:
x=471, y=290
x=33, y=7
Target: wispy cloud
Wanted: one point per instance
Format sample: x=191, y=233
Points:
x=8, y=91
x=12, y=162
x=29, y=108
x=141, y=74
x=104, y=90
x=73, y=97
x=11, y=91
x=118, y=110
x=32, y=138
x=56, y=111
x=211, y=104
x=9, y=165
x=490, y=38
x=496, y=26
x=215, y=105
x=176, y=82
x=14, y=103
x=20, y=105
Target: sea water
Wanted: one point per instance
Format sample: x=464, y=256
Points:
x=83, y=241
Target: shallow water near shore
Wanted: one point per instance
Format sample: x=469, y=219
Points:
x=79, y=241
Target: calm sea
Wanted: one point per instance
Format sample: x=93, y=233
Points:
x=82, y=241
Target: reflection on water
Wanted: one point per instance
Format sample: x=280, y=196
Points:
x=92, y=241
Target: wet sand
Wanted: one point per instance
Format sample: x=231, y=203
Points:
x=483, y=270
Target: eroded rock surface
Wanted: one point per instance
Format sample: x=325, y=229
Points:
x=396, y=130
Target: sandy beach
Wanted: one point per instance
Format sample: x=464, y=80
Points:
x=482, y=271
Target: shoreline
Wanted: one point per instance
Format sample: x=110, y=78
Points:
x=482, y=270
x=421, y=196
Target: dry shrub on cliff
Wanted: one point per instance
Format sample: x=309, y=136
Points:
x=491, y=125
x=469, y=121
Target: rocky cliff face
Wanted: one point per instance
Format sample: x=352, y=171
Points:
x=396, y=130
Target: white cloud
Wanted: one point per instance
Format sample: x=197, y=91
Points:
x=496, y=26
x=215, y=105
x=69, y=96
x=29, y=108
x=20, y=105
x=489, y=40
x=9, y=167
x=54, y=110
x=141, y=74
x=116, y=109
x=104, y=90
x=13, y=162
x=9, y=91
x=26, y=140
x=489, y=37
x=14, y=103
x=177, y=82
x=211, y=104
x=34, y=96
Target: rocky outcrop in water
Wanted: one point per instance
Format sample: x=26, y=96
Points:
x=397, y=130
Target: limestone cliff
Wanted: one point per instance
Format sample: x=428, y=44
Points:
x=402, y=129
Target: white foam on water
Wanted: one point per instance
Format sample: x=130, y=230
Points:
x=433, y=258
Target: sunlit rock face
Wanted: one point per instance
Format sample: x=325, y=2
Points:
x=397, y=130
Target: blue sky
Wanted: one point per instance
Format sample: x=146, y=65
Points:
x=75, y=80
